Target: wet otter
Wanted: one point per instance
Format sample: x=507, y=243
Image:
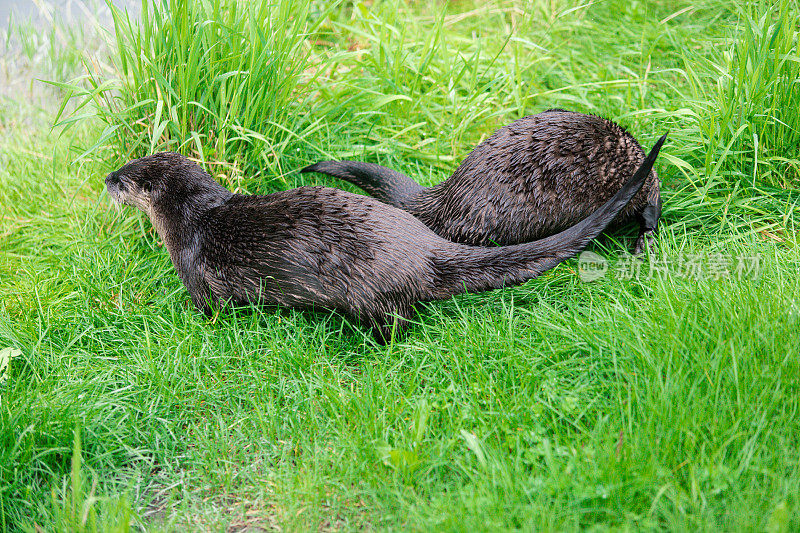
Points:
x=321, y=247
x=531, y=179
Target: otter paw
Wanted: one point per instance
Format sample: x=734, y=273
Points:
x=646, y=241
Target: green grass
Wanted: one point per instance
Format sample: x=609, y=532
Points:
x=658, y=403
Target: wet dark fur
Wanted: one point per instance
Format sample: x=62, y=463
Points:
x=529, y=180
x=326, y=248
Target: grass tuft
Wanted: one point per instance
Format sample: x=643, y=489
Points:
x=223, y=81
x=750, y=116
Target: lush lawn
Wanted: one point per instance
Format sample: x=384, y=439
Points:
x=666, y=401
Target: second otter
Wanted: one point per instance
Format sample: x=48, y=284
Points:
x=530, y=179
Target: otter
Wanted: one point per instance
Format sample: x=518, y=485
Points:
x=318, y=247
x=531, y=179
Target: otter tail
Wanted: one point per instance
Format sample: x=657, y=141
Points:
x=383, y=183
x=475, y=269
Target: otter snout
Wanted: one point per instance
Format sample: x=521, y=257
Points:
x=114, y=186
x=113, y=178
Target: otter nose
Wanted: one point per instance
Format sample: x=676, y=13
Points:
x=112, y=178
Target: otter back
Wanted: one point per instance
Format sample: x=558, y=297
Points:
x=530, y=179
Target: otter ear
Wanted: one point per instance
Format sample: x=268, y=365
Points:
x=147, y=186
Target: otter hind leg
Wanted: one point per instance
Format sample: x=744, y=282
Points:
x=648, y=220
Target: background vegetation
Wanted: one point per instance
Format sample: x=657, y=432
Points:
x=665, y=401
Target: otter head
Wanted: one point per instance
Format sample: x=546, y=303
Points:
x=140, y=182
x=163, y=180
